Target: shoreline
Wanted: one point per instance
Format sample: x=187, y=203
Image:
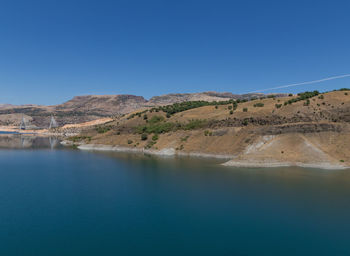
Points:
x=163, y=152
x=232, y=162
x=271, y=164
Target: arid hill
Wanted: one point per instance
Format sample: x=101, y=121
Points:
x=91, y=107
x=309, y=129
x=205, y=96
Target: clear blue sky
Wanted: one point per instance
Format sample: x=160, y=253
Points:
x=53, y=50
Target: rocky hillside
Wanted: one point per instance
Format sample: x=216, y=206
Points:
x=91, y=107
x=205, y=96
x=309, y=129
x=103, y=105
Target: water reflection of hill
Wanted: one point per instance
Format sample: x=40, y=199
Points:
x=16, y=141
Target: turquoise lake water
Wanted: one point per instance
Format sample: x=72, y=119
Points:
x=56, y=201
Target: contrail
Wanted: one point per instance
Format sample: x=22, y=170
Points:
x=308, y=82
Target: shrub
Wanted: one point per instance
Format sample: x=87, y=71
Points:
x=155, y=137
x=231, y=112
x=278, y=105
x=103, y=129
x=183, y=106
x=208, y=133
x=302, y=96
x=234, y=105
x=144, y=136
x=184, y=139
x=321, y=97
x=307, y=102
x=150, y=144
x=245, y=109
x=156, y=119
x=157, y=127
x=168, y=115
x=194, y=124
x=345, y=93
x=145, y=117
x=79, y=138
x=290, y=94
x=229, y=107
x=259, y=105
x=245, y=121
x=130, y=141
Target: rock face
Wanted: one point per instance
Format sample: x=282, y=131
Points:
x=205, y=96
x=181, y=97
x=104, y=105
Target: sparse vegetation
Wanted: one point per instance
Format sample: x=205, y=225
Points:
x=144, y=136
x=158, y=125
x=302, y=96
x=194, y=124
x=180, y=148
x=150, y=144
x=103, y=129
x=245, y=121
x=136, y=114
x=259, y=105
x=184, y=139
x=307, y=102
x=208, y=133
x=155, y=137
x=278, y=105
x=183, y=106
x=79, y=138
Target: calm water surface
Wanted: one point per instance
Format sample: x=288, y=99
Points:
x=57, y=201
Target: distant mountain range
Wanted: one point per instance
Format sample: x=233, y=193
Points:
x=90, y=107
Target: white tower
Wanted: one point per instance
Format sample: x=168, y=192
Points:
x=23, y=125
x=53, y=123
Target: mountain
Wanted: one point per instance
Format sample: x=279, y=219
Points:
x=90, y=107
x=310, y=129
x=205, y=96
x=103, y=105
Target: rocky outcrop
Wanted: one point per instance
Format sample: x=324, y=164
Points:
x=103, y=105
x=205, y=96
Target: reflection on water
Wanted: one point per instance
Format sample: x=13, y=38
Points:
x=71, y=202
x=20, y=141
